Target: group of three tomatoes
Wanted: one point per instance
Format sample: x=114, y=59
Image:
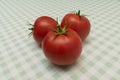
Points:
x=61, y=43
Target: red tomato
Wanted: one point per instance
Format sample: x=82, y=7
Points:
x=78, y=23
x=62, y=49
x=42, y=26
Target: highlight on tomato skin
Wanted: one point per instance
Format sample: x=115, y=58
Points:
x=62, y=49
x=77, y=22
x=41, y=27
x=61, y=44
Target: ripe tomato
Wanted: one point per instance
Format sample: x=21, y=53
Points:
x=62, y=48
x=42, y=26
x=78, y=23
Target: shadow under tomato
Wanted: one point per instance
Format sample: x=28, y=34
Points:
x=64, y=68
x=40, y=46
x=86, y=42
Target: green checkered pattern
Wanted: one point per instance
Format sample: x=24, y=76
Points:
x=22, y=59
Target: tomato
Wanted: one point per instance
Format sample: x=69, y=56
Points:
x=62, y=47
x=78, y=23
x=42, y=26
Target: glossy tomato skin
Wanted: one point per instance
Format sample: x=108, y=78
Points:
x=63, y=49
x=42, y=26
x=78, y=23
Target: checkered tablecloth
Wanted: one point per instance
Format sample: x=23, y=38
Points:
x=22, y=59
